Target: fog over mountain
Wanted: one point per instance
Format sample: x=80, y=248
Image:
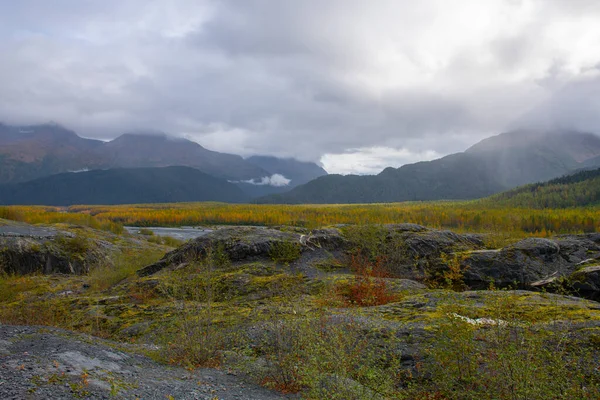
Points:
x=493, y=165
x=356, y=85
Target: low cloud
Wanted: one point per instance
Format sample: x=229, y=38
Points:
x=276, y=180
x=306, y=79
x=372, y=160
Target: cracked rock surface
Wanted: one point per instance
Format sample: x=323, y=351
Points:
x=48, y=363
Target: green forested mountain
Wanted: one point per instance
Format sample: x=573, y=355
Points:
x=493, y=165
x=451, y=177
x=579, y=189
x=122, y=186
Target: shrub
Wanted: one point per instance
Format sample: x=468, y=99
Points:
x=10, y=213
x=195, y=340
x=328, y=357
x=76, y=246
x=13, y=285
x=165, y=240
x=451, y=276
x=506, y=357
x=285, y=252
x=125, y=264
x=368, y=287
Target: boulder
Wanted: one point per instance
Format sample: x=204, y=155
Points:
x=48, y=253
x=64, y=249
x=586, y=281
x=532, y=262
x=433, y=243
x=415, y=252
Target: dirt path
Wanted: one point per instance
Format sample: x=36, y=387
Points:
x=43, y=363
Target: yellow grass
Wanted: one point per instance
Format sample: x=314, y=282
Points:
x=462, y=216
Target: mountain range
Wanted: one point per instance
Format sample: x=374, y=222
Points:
x=491, y=166
x=36, y=151
x=36, y=159
x=122, y=186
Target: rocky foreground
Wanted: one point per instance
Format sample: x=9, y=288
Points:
x=259, y=298
x=43, y=363
x=415, y=252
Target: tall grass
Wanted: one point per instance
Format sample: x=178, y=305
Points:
x=471, y=216
x=466, y=216
x=54, y=215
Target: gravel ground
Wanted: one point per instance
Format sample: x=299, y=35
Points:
x=47, y=363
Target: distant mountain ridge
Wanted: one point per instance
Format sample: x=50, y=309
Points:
x=29, y=152
x=35, y=151
x=491, y=166
x=122, y=186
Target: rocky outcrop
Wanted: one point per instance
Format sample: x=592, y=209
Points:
x=532, y=262
x=26, y=249
x=414, y=251
x=411, y=251
x=586, y=280
x=248, y=243
x=433, y=243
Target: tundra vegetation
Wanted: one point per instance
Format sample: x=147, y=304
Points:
x=329, y=313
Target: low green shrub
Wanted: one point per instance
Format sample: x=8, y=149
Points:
x=124, y=265
x=329, y=357
x=285, y=252
x=165, y=240
x=506, y=357
x=76, y=246
x=193, y=339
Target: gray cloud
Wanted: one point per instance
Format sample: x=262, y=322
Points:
x=311, y=79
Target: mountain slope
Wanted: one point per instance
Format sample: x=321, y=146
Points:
x=579, y=189
x=526, y=156
x=122, y=186
x=159, y=150
x=30, y=152
x=453, y=177
x=491, y=166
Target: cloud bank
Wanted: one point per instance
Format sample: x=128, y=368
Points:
x=397, y=80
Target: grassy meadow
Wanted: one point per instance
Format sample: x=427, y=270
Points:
x=462, y=216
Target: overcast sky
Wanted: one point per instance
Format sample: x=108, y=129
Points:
x=355, y=84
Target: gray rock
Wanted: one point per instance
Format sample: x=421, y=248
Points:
x=433, y=243
x=246, y=243
x=50, y=364
x=586, y=280
x=533, y=262
x=53, y=254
